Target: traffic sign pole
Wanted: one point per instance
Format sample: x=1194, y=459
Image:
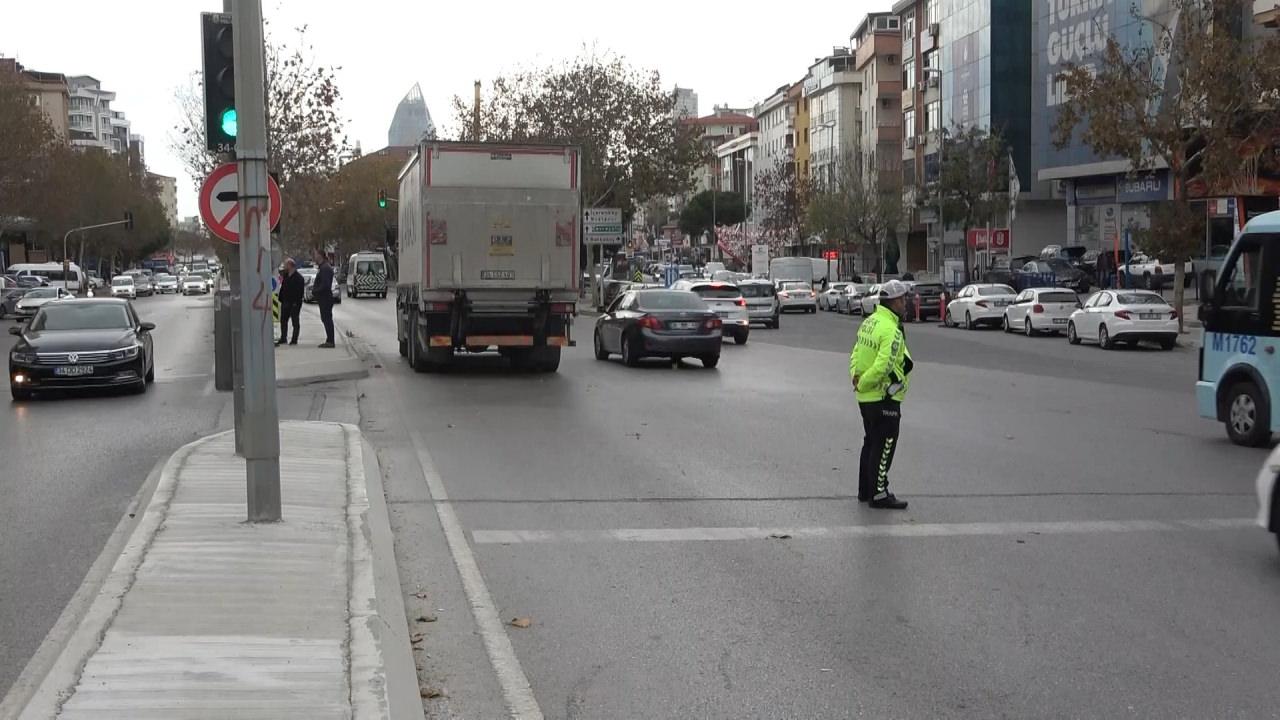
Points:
x=261, y=421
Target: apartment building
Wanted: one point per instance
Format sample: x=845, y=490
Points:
x=833, y=90
x=48, y=91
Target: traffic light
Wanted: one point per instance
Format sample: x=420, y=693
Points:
x=382, y=199
x=128, y=220
x=220, y=122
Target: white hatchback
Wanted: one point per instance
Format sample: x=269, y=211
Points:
x=727, y=302
x=1040, y=310
x=869, y=300
x=979, y=304
x=1128, y=316
x=122, y=287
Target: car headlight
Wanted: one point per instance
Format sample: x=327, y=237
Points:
x=22, y=357
x=128, y=353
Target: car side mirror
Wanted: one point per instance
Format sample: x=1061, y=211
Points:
x=146, y=326
x=15, y=330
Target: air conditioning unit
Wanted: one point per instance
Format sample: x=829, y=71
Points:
x=934, y=29
x=911, y=141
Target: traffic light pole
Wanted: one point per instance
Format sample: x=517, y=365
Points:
x=261, y=427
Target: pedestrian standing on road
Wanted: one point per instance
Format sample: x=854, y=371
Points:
x=292, y=286
x=322, y=293
x=880, y=367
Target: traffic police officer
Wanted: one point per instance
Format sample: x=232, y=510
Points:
x=880, y=367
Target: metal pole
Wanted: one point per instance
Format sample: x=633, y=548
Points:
x=261, y=422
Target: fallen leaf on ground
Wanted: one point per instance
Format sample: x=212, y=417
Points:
x=416, y=638
x=427, y=618
x=431, y=693
x=824, y=669
x=377, y=365
x=521, y=622
x=780, y=536
x=421, y=594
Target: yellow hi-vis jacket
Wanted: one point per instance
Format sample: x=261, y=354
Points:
x=880, y=357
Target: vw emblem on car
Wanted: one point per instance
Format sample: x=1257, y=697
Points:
x=73, y=358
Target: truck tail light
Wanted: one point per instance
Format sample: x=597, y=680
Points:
x=1124, y=314
x=435, y=307
x=650, y=322
x=1037, y=308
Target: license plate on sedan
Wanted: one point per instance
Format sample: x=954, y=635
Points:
x=1001, y=303
x=73, y=370
x=1059, y=321
x=683, y=325
x=1148, y=316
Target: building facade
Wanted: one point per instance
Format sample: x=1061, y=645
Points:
x=775, y=116
x=91, y=121
x=686, y=103
x=877, y=52
x=833, y=90
x=167, y=191
x=48, y=91
x=412, y=121
x=722, y=125
x=800, y=121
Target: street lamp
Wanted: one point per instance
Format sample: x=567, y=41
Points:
x=942, y=226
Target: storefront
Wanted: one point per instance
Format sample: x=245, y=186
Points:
x=1101, y=208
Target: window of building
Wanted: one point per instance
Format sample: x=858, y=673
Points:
x=909, y=123
x=908, y=29
x=931, y=11
x=908, y=74
x=889, y=22
x=933, y=117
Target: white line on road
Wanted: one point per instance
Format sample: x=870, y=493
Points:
x=511, y=677
x=704, y=534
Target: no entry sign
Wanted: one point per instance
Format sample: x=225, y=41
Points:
x=220, y=202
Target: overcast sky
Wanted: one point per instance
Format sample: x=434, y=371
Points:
x=729, y=53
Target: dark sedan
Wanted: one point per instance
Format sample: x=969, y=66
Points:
x=659, y=323
x=89, y=343
x=930, y=296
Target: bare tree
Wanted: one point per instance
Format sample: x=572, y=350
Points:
x=1199, y=99
x=781, y=198
x=856, y=208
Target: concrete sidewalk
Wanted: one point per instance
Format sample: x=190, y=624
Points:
x=206, y=616
x=307, y=363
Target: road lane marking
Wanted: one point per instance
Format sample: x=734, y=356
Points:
x=516, y=690
x=840, y=532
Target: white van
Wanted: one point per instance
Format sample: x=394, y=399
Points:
x=51, y=274
x=367, y=275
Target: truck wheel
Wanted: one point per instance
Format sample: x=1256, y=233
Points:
x=1248, y=415
x=417, y=360
x=546, y=359
x=404, y=348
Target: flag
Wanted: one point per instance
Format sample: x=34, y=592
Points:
x=1015, y=187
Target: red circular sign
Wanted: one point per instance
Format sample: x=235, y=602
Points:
x=220, y=205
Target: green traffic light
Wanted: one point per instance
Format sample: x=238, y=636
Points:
x=382, y=202
x=228, y=122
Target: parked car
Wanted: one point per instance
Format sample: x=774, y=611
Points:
x=827, y=298
x=727, y=302
x=659, y=323
x=309, y=274
x=797, y=295
x=1054, y=272
x=869, y=300
x=35, y=298
x=979, y=304
x=122, y=287
x=1268, y=497
x=850, y=301
x=1040, y=310
x=762, y=301
x=929, y=296
x=1128, y=316
x=1152, y=274
x=10, y=293
x=82, y=343
x=195, y=284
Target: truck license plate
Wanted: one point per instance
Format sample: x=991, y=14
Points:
x=497, y=275
x=73, y=370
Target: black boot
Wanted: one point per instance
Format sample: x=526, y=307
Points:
x=886, y=501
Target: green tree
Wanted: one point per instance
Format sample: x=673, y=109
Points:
x=709, y=207
x=621, y=117
x=26, y=141
x=353, y=220
x=1191, y=95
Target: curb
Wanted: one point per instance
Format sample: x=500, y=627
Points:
x=46, y=700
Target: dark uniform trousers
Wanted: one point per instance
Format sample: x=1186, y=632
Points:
x=880, y=422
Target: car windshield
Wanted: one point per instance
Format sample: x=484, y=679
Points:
x=368, y=266
x=756, y=290
x=42, y=293
x=1140, y=298
x=795, y=286
x=995, y=290
x=1063, y=297
x=837, y=287
x=718, y=292
x=122, y=281
x=64, y=316
x=669, y=300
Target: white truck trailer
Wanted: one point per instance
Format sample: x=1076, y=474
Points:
x=488, y=250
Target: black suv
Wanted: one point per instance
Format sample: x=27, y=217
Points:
x=930, y=296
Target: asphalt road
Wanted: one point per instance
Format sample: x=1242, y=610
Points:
x=686, y=544
x=70, y=465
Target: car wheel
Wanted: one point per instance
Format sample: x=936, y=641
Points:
x=1168, y=343
x=968, y=321
x=1248, y=415
x=19, y=393
x=946, y=319
x=1104, y=337
x=601, y=353
x=1027, y=329
x=151, y=374
x=1072, y=337
x=630, y=356
x=776, y=321
x=710, y=361
x=1004, y=324
x=741, y=338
